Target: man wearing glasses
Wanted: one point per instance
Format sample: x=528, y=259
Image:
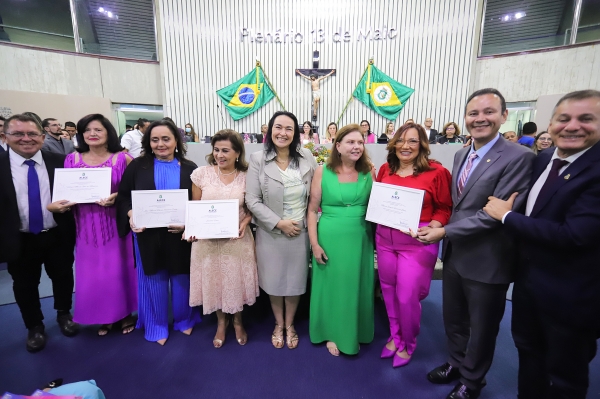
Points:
x=29, y=234
x=54, y=141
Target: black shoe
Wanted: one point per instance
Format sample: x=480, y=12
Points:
x=67, y=326
x=461, y=391
x=36, y=339
x=443, y=374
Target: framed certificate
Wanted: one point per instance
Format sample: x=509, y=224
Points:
x=81, y=185
x=212, y=219
x=158, y=208
x=396, y=207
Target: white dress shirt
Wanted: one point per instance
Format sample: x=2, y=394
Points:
x=539, y=183
x=19, y=170
x=481, y=153
x=132, y=140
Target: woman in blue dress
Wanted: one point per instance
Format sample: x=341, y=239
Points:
x=161, y=256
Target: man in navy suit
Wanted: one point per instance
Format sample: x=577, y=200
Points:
x=556, y=298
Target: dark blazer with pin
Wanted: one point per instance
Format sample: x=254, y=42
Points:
x=559, y=258
x=10, y=222
x=159, y=249
x=433, y=135
x=481, y=249
x=479, y=257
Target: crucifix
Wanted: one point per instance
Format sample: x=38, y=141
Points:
x=315, y=76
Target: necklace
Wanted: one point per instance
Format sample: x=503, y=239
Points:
x=226, y=174
x=278, y=161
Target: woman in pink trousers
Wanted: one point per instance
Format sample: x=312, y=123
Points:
x=405, y=264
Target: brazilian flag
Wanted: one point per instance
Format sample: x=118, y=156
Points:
x=381, y=93
x=246, y=95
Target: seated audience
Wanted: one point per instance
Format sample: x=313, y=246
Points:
x=450, y=134
x=542, y=141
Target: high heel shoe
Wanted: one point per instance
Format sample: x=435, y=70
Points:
x=217, y=343
x=240, y=332
x=386, y=353
x=400, y=361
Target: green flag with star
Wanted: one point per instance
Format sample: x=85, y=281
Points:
x=381, y=93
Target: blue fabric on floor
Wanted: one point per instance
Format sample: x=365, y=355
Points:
x=189, y=367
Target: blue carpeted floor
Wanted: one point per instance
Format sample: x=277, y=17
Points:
x=189, y=367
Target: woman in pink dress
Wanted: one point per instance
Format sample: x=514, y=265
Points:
x=105, y=279
x=223, y=274
x=365, y=129
x=308, y=135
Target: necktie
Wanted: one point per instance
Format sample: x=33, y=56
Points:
x=465, y=174
x=36, y=218
x=557, y=164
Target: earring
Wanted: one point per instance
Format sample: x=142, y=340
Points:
x=236, y=159
x=176, y=150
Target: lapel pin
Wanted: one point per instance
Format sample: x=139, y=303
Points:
x=488, y=160
x=567, y=176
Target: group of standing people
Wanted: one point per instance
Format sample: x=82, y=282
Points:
x=502, y=213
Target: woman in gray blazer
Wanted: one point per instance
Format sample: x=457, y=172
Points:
x=277, y=188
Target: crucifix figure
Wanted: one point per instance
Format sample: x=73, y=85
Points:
x=315, y=76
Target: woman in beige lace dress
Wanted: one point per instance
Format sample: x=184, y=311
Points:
x=223, y=276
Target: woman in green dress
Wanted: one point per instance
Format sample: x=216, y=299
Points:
x=341, y=303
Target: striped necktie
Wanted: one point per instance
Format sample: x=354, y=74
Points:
x=465, y=174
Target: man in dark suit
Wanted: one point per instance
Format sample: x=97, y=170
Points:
x=479, y=256
x=54, y=141
x=260, y=138
x=29, y=234
x=2, y=140
x=431, y=133
x=556, y=297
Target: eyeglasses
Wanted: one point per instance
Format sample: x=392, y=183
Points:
x=411, y=143
x=545, y=139
x=20, y=135
x=364, y=125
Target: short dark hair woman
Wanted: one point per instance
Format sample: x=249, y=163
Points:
x=223, y=276
x=161, y=257
x=542, y=141
x=365, y=129
x=277, y=188
x=105, y=281
x=450, y=134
